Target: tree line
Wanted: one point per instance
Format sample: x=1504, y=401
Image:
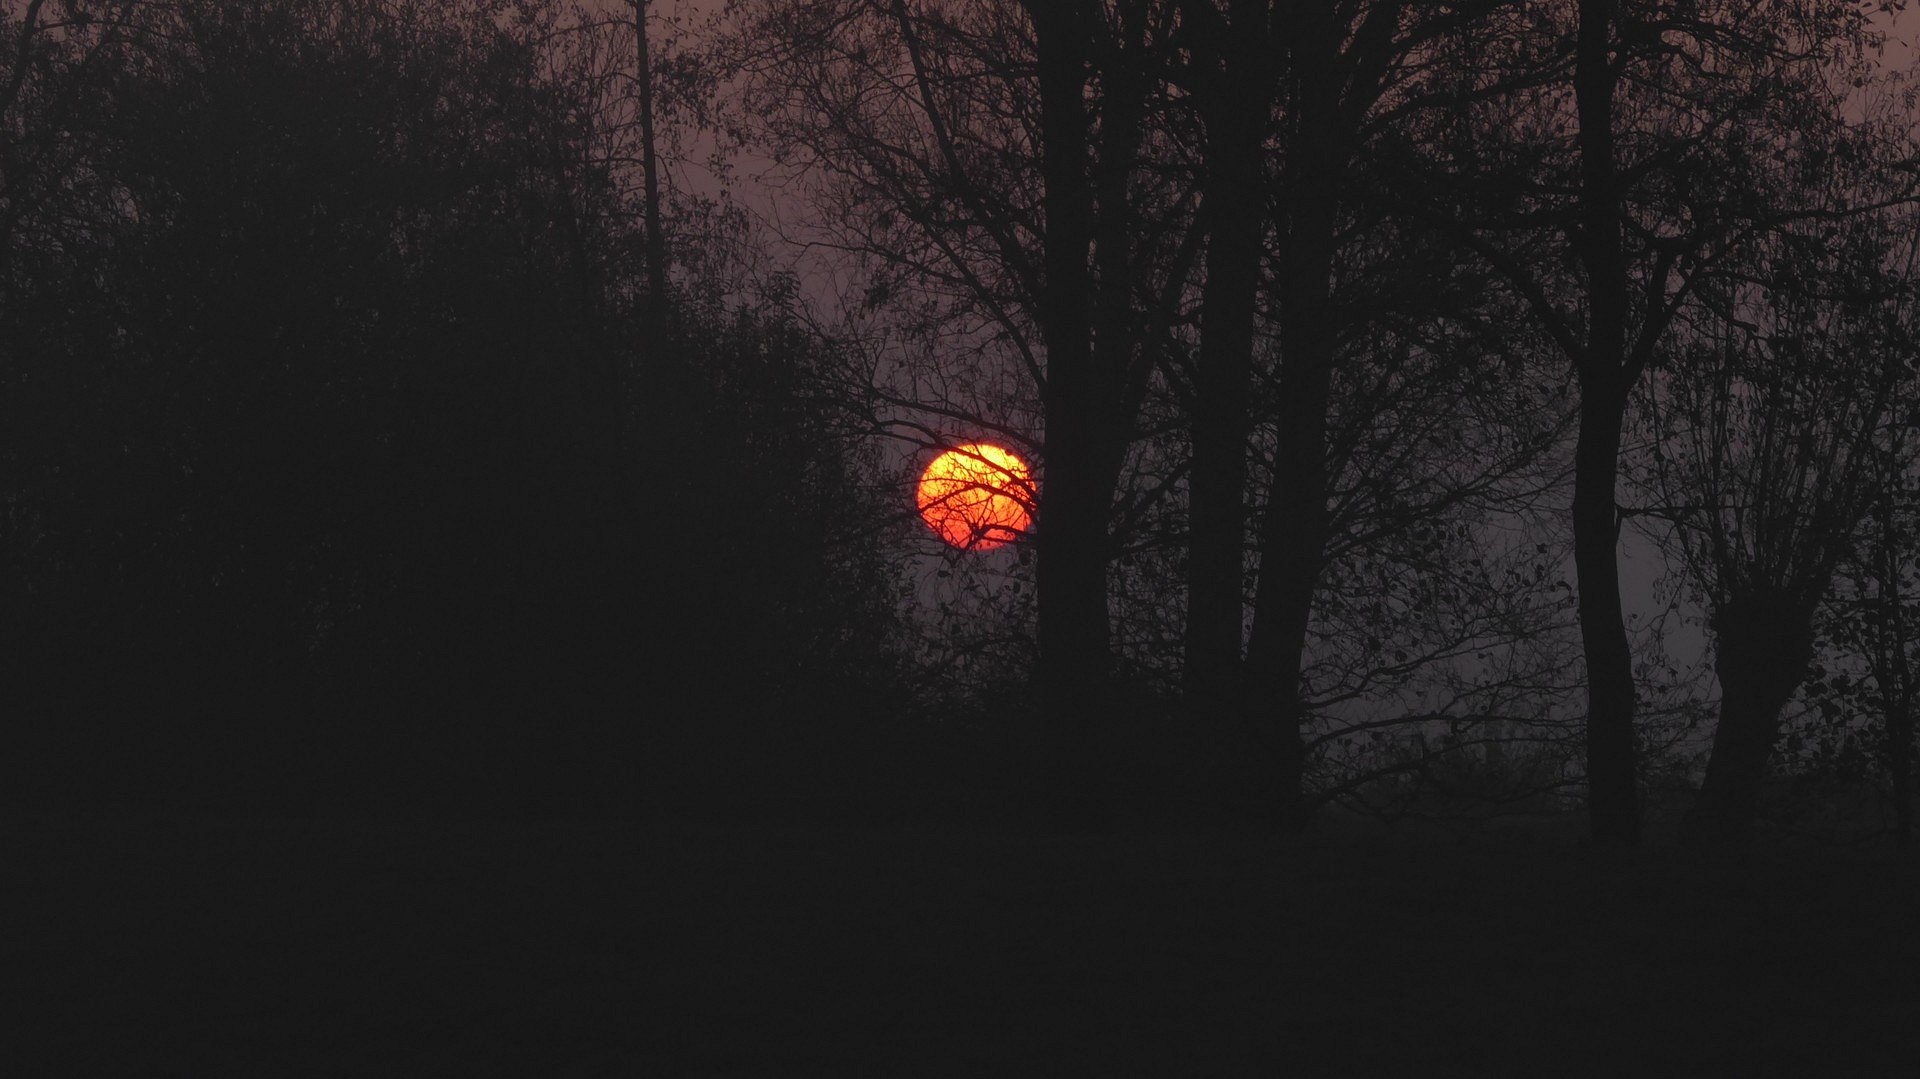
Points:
x=352, y=454
x=1336, y=278
x=383, y=421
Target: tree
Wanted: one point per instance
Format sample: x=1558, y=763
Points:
x=1311, y=120
x=1604, y=199
x=1232, y=77
x=1219, y=176
x=1875, y=621
x=953, y=142
x=1779, y=424
x=649, y=164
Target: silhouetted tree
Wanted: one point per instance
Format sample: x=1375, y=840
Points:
x=1592, y=152
x=1363, y=339
x=1208, y=166
x=960, y=142
x=1877, y=621
x=649, y=154
x=1232, y=76
x=1774, y=425
x=328, y=475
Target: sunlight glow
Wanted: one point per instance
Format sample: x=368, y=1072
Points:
x=977, y=496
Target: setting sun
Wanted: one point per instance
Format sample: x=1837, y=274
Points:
x=977, y=496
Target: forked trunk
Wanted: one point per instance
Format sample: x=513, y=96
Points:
x=1294, y=524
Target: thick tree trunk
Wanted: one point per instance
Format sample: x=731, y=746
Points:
x=1237, y=104
x=1071, y=530
x=1294, y=526
x=1071, y=526
x=1293, y=534
x=1612, y=798
x=1114, y=228
x=1613, y=803
x=1900, y=769
x=1763, y=647
x=1088, y=324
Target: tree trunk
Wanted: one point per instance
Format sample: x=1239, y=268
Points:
x=1294, y=526
x=649, y=168
x=1612, y=796
x=1293, y=534
x=1764, y=645
x=1115, y=309
x=1900, y=769
x=1894, y=673
x=1236, y=104
x=1071, y=542
x=1071, y=530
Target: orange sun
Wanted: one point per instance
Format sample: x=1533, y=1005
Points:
x=977, y=496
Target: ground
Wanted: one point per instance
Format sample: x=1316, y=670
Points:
x=172, y=943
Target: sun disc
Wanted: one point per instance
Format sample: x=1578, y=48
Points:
x=977, y=497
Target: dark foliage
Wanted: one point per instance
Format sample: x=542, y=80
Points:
x=338, y=468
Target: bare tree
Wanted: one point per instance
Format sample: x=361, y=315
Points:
x=1360, y=323
x=1775, y=417
x=50, y=58
x=1878, y=620
x=1588, y=150
x=649, y=160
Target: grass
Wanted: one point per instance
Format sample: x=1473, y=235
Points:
x=174, y=943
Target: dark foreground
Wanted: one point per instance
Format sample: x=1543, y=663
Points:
x=168, y=943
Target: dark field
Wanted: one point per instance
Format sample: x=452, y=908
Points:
x=166, y=943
